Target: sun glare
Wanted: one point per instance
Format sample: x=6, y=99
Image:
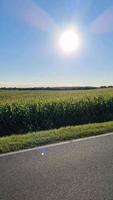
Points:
x=69, y=41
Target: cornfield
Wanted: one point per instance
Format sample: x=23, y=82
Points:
x=24, y=111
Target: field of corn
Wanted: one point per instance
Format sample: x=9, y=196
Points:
x=25, y=111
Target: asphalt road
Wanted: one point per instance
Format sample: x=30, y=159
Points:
x=81, y=170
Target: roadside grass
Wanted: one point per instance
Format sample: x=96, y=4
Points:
x=25, y=141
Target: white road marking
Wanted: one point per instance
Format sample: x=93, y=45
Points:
x=56, y=144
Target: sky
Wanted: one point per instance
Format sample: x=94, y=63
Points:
x=29, y=50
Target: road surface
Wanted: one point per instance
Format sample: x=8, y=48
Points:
x=81, y=170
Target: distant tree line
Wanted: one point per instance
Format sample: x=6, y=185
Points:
x=56, y=88
x=49, y=88
x=110, y=86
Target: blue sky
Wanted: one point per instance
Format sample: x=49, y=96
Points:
x=30, y=56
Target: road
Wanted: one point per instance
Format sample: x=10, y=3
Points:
x=77, y=170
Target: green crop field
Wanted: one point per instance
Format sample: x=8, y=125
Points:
x=27, y=96
x=28, y=110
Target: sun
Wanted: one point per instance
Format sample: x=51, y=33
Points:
x=69, y=41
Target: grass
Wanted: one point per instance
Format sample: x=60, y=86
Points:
x=17, y=142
